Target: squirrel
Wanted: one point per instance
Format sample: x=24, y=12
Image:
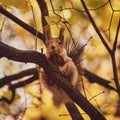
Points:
x=57, y=54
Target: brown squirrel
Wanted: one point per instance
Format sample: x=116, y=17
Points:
x=57, y=54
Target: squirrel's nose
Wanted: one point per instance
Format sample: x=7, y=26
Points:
x=53, y=47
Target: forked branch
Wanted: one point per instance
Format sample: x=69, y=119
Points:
x=110, y=51
x=54, y=74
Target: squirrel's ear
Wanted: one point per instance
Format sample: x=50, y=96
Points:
x=47, y=32
x=61, y=34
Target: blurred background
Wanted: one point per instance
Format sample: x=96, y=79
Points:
x=29, y=102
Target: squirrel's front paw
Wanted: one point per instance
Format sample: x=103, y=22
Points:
x=63, y=72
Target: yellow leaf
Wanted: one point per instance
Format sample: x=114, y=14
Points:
x=36, y=102
x=4, y=108
x=8, y=94
x=52, y=20
x=20, y=4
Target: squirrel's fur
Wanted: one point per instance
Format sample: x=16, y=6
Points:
x=57, y=54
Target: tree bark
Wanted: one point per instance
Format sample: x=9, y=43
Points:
x=54, y=74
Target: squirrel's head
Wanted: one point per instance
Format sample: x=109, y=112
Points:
x=54, y=45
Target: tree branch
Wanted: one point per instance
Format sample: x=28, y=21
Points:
x=95, y=26
x=9, y=101
x=110, y=51
x=114, y=60
x=94, y=78
x=54, y=74
x=44, y=11
x=116, y=36
x=21, y=23
x=23, y=83
x=9, y=79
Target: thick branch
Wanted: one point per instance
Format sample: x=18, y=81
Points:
x=74, y=112
x=21, y=23
x=23, y=83
x=94, y=78
x=21, y=55
x=44, y=11
x=35, y=74
x=9, y=79
x=53, y=73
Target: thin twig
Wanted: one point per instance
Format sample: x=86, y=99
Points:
x=114, y=60
x=73, y=8
x=35, y=26
x=95, y=26
x=96, y=95
x=2, y=24
x=112, y=53
x=109, y=27
x=21, y=23
x=64, y=20
x=116, y=37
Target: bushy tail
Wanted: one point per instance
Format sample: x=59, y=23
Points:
x=75, y=51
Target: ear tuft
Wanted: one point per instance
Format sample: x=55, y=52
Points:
x=61, y=34
x=47, y=32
